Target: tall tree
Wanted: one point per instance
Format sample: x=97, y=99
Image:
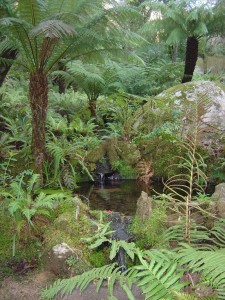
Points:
x=45, y=31
x=8, y=55
x=181, y=22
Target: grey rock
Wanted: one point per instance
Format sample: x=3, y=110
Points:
x=144, y=206
x=218, y=200
x=56, y=260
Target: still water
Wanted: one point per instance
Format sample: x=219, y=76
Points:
x=120, y=196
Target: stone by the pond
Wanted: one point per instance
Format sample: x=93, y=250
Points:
x=56, y=259
x=218, y=200
x=144, y=206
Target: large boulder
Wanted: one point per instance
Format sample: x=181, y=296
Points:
x=171, y=114
x=144, y=206
x=175, y=104
x=218, y=200
x=55, y=260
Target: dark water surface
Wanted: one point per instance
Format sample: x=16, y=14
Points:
x=120, y=196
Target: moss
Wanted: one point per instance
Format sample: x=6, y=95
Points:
x=66, y=228
x=129, y=153
x=111, y=147
x=6, y=234
x=147, y=234
x=98, y=258
x=96, y=154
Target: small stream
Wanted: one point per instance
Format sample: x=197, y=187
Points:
x=118, y=196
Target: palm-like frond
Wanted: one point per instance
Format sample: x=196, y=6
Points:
x=176, y=36
x=32, y=11
x=158, y=274
x=53, y=29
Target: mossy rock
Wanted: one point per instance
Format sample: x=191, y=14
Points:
x=96, y=154
x=129, y=152
x=169, y=116
x=179, y=99
x=70, y=227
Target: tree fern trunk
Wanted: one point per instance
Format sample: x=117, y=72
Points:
x=38, y=95
x=4, y=69
x=205, y=63
x=92, y=107
x=190, y=59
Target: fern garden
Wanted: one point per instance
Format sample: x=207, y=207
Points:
x=97, y=94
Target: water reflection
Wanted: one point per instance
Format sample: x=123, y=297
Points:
x=118, y=196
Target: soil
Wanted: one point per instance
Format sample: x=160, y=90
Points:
x=26, y=287
x=29, y=287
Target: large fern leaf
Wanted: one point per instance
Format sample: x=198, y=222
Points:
x=211, y=264
x=159, y=277
x=66, y=286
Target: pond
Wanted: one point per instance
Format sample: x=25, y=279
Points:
x=119, y=196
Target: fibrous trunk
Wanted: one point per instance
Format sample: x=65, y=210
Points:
x=4, y=69
x=190, y=59
x=92, y=107
x=38, y=95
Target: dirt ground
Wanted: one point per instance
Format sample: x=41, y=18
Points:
x=29, y=288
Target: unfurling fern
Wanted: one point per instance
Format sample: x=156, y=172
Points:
x=192, y=180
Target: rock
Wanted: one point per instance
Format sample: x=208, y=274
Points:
x=120, y=224
x=218, y=200
x=56, y=259
x=144, y=206
x=170, y=115
x=180, y=98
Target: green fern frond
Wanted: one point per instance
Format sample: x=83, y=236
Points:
x=52, y=29
x=33, y=182
x=211, y=265
x=218, y=233
x=66, y=286
x=200, y=235
x=184, y=296
x=159, y=277
x=32, y=11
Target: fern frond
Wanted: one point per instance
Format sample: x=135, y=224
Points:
x=211, y=265
x=33, y=182
x=184, y=296
x=159, y=277
x=66, y=286
x=53, y=29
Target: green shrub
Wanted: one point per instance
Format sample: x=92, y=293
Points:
x=148, y=233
